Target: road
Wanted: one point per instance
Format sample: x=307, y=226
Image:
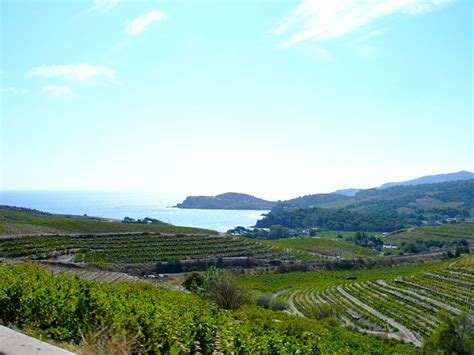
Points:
x=16, y=343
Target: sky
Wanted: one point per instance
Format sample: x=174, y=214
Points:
x=273, y=98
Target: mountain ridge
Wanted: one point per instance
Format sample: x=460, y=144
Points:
x=427, y=179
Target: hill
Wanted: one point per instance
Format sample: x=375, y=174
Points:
x=386, y=209
x=432, y=179
x=429, y=179
x=312, y=200
x=17, y=220
x=347, y=192
x=226, y=201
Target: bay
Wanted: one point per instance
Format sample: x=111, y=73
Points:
x=129, y=204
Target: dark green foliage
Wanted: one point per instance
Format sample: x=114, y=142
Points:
x=371, y=242
x=321, y=311
x=382, y=210
x=221, y=289
x=228, y=200
x=335, y=219
x=146, y=220
x=278, y=305
x=453, y=336
x=193, y=281
x=269, y=302
x=263, y=301
x=278, y=232
x=311, y=200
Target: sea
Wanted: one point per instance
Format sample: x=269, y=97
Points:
x=118, y=205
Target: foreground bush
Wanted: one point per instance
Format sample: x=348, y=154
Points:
x=217, y=286
x=141, y=318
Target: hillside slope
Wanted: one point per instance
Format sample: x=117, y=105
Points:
x=432, y=179
x=429, y=179
x=376, y=209
x=18, y=220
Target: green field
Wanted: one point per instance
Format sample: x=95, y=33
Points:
x=321, y=245
x=141, y=248
x=16, y=221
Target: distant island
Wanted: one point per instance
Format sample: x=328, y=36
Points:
x=227, y=201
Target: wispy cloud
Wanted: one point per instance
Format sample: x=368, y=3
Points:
x=373, y=34
x=57, y=92
x=12, y=90
x=322, y=20
x=320, y=53
x=142, y=23
x=104, y=5
x=83, y=73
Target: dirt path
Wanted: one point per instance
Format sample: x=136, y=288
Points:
x=291, y=304
x=406, y=333
x=15, y=343
x=452, y=279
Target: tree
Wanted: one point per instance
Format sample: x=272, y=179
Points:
x=278, y=232
x=227, y=294
x=193, y=281
x=453, y=336
x=221, y=289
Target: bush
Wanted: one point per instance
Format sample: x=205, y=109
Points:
x=453, y=336
x=263, y=301
x=193, y=281
x=219, y=288
x=277, y=305
x=322, y=311
x=226, y=294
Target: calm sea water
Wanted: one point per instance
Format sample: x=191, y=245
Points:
x=136, y=205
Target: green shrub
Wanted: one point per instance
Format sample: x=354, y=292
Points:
x=321, y=311
x=278, y=305
x=263, y=301
x=193, y=281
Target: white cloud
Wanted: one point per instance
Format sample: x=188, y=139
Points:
x=104, y=5
x=57, y=92
x=142, y=23
x=83, y=73
x=373, y=34
x=321, y=20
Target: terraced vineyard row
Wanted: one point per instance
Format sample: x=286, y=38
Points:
x=448, y=234
x=99, y=276
x=142, y=248
x=407, y=307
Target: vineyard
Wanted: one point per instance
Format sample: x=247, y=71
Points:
x=95, y=275
x=141, y=318
x=324, y=247
x=135, y=248
x=407, y=307
x=444, y=233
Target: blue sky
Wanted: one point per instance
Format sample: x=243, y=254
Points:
x=276, y=99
